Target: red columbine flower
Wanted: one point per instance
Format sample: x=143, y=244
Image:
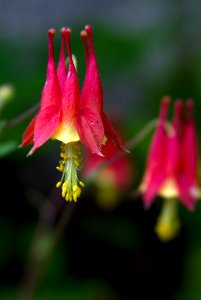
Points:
x=182, y=159
x=172, y=166
x=112, y=176
x=66, y=116
x=155, y=172
x=57, y=116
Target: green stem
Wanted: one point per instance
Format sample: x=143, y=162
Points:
x=45, y=239
x=17, y=120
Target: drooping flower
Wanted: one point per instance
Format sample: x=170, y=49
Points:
x=182, y=159
x=155, y=171
x=111, y=175
x=172, y=166
x=57, y=116
x=66, y=116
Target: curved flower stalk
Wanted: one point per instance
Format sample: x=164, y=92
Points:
x=172, y=166
x=69, y=117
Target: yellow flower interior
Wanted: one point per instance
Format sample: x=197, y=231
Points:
x=66, y=133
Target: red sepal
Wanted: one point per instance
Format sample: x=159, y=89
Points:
x=46, y=123
x=28, y=136
x=90, y=129
x=188, y=179
x=71, y=93
x=111, y=134
x=92, y=93
x=155, y=173
x=51, y=94
x=61, y=69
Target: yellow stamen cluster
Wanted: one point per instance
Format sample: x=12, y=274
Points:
x=167, y=232
x=68, y=165
x=168, y=225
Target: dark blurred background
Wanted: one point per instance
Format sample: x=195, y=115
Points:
x=145, y=50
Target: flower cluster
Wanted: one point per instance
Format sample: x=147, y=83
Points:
x=172, y=165
x=71, y=116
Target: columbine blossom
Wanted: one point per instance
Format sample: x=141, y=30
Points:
x=155, y=171
x=172, y=166
x=182, y=160
x=112, y=175
x=69, y=117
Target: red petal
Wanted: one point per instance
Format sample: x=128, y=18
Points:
x=71, y=93
x=174, y=144
x=186, y=186
x=154, y=182
x=91, y=130
x=51, y=94
x=27, y=138
x=188, y=175
x=156, y=168
x=70, y=99
x=189, y=144
x=108, y=149
x=61, y=69
x=46, y=123
x=83, y=35
x=92, y=93
x=156, y=172
x=111, y=134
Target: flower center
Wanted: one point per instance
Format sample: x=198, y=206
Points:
x=69, y=164
x=169, y=189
